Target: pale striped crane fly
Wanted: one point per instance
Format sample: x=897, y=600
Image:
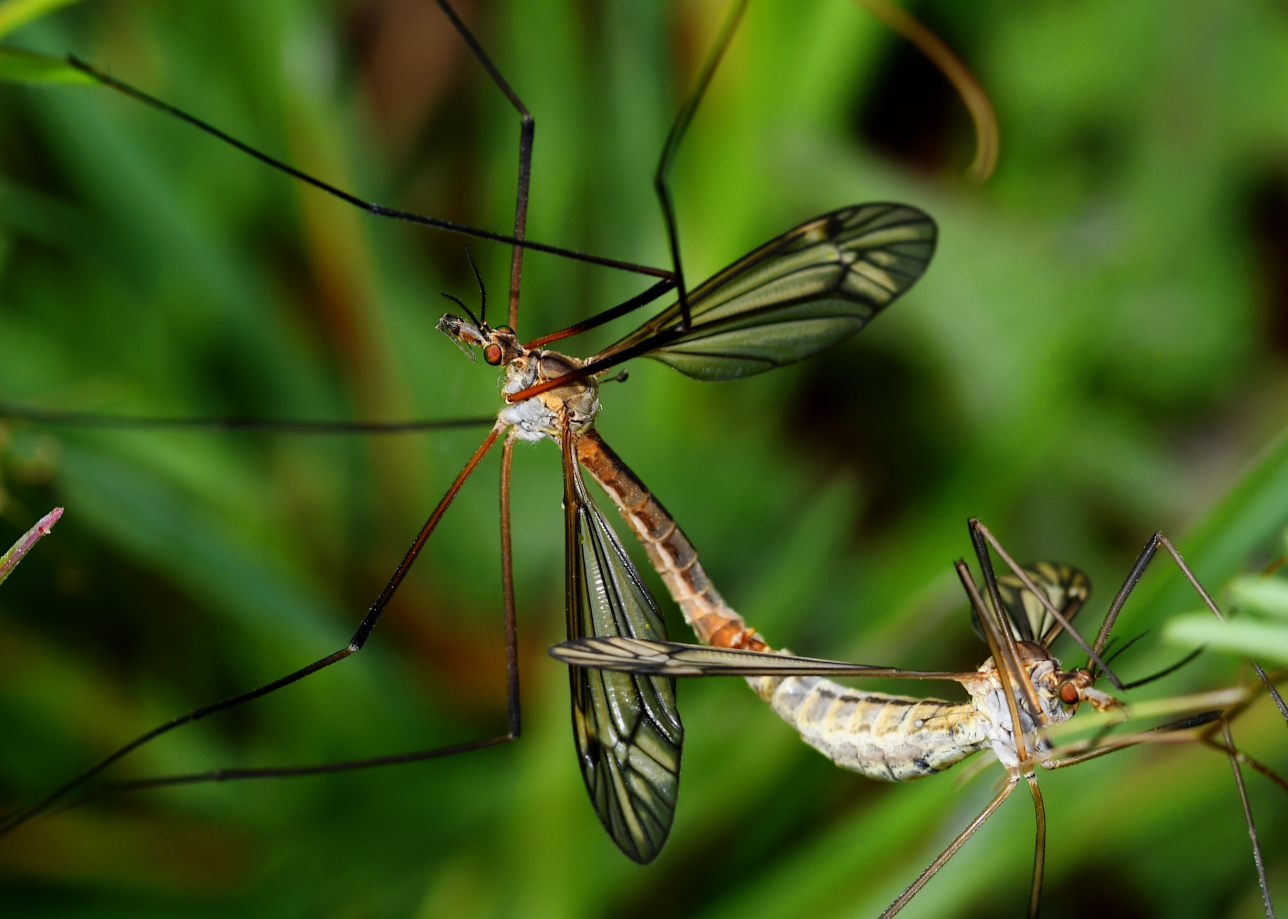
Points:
x=803, y=291
x=1017, y=694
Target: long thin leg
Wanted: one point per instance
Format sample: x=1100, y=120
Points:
x=1133, y=578
x=978, y=530
x=607, y=315
x=370, y=207
x=526, y=129
x=1138, y=569
x=953, y=846
x=507, y=590
x=1235, y=756
x=57, y=418
x=1252, y=827
x=355, y=644
x=1004, y=629
x=512, y=695
x=676, y=277
x=1243, y=759
x=1039, y=850
x=1005, y=669
x=1270, y=688
x=673, y=139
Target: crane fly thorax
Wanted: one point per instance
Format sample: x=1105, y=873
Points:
x=543, y=415
x=988, y=694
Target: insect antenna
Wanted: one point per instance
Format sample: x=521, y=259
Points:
x=1131, y=641
x=461, y=303
x=482, y=289
x=527, y=127
x=1166, y=670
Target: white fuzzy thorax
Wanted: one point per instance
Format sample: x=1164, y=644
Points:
x=989, y=698
x=542, y=415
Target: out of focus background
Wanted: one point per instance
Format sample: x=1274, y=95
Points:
x=1097, y=352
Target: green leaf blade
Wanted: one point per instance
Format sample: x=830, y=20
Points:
x=17, y=66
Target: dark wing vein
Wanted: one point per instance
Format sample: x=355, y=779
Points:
x=627, y=727
x=794, y=296
x=1065, y=586
x=665, y=658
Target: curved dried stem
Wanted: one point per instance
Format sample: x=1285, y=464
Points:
x=987, y=136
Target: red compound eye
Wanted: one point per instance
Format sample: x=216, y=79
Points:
x=1068, y=694
x=492, y=354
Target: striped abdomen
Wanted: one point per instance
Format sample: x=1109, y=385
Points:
x=669, y=550
x=894, y=738
x=884, y=737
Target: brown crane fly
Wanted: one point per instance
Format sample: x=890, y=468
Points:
x=803, y=291
x=1017, y=695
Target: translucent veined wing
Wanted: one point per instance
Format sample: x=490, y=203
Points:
x=794, y=296
x=668, y=658
x=627, y=727
x=1065, y=586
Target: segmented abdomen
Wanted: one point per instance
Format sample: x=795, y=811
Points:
x=893, y=738
x=884, y=737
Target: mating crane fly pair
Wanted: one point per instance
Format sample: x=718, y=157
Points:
x=792, y=297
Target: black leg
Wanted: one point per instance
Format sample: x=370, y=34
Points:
x=370, y=207
x=1252, y=827
x=57, y=418
x=16, y=819
x=672, y=146
x=1142, y=562
x=980, y=532
x=527, y=126
x=1009, y=646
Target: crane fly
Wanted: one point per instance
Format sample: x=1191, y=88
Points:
x=797, y=294
x=1016, y=696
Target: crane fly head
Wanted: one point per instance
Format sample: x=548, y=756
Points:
x=500, y=345
x=1070, y=687
x=1078, y=686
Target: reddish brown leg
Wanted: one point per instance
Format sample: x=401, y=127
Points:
x=14, y=820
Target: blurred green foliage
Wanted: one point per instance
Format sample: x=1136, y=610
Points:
x=1096, y=353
